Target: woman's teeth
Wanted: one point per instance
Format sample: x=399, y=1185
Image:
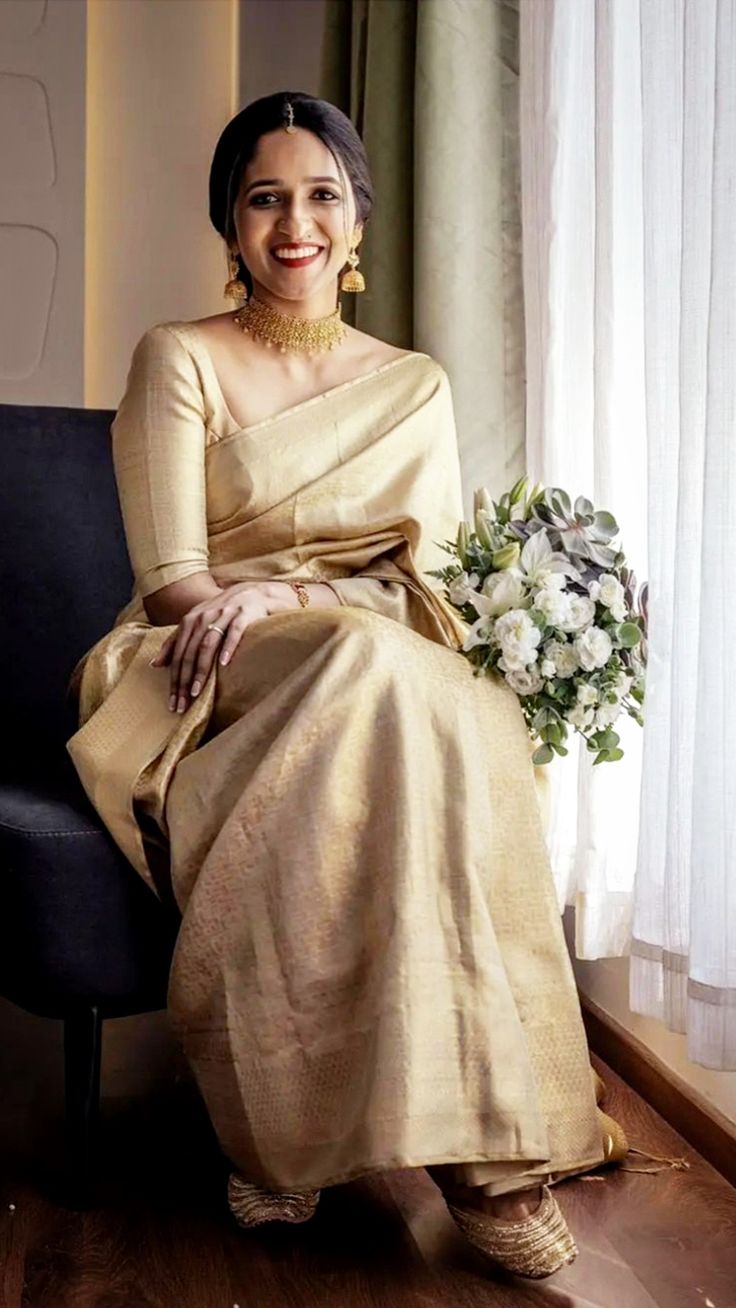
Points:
x=306, y=252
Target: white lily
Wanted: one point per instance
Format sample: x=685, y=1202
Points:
x=538, y=560
x=462, y=589
x=501, y=591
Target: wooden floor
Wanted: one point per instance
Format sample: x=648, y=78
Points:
x=162, y=1237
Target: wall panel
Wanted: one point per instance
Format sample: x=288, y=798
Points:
x=42, y=160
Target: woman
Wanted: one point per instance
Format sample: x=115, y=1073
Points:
x=370, y=971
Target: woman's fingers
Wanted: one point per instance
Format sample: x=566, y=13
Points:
x=164, y=654
x=187, y=643
x=232, y=638
x=198, y=641
x=208, y=648
x=188, y=664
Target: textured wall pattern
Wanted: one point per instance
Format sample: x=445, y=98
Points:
x=42, y=149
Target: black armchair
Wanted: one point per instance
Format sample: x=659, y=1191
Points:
x=81, y=937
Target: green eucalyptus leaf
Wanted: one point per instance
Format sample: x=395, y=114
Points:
x=544, y=754
x=609, y=739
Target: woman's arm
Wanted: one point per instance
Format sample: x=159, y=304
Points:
x=166, y=607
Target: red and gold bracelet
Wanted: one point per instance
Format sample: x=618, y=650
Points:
x=301, y=591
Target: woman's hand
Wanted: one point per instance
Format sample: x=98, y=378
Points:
x=192, y=649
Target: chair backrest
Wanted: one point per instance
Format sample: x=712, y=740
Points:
x=64, y=570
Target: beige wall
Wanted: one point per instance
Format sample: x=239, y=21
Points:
x=42, y=149
x=109, y=112
x=161, y=84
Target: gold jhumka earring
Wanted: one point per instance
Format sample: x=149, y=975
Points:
x=235, y=289
x=353, y=280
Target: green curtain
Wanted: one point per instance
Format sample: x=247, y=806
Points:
x=432, y=86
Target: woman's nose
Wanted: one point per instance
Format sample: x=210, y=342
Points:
x=295, y=220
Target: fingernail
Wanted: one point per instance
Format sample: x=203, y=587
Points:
x=152, y=664
x=172, y=702
x=196, y=687
x=181, y=705
x=225, y=658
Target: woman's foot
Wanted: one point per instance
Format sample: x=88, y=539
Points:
x=524, y=1232
x=512, y=1207
x=251, y=1206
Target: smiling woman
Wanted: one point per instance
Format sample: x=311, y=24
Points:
x=371, y=971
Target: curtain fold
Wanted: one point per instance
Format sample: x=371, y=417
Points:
x=586, y=419
x=432, y=85
x=683, y=968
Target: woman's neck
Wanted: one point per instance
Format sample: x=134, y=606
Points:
x=316, y=306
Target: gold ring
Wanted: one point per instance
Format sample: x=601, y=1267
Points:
x=214, y=627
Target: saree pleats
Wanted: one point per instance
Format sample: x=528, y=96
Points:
x=370, y=971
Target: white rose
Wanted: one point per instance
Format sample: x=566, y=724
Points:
x=518, y=637
x=501, y=591
x=554, y=603
x=462, y=590
x=582, y=613
x=563, y=656
x=594, y=590
x=580, y=717
x=587, y=695
x=555, y=581
x=525, y=683
x=618, y=611
x=612, y=592
x=593, y=648
x=548, y=668
x=606, y=715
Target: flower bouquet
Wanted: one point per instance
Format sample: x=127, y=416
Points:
x=552, y=607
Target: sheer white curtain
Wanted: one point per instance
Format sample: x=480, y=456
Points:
x=684, y=947
x=580, y=112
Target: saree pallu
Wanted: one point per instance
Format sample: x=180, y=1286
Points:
x=370, y=971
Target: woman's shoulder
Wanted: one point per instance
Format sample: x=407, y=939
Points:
x=376, y=352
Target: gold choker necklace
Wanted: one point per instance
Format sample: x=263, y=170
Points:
x=293, y=335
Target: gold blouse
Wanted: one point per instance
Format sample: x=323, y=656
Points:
x=172, y=419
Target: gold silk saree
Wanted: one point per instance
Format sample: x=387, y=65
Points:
x=370, y=971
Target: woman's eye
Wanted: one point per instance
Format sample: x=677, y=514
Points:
x=264, y=199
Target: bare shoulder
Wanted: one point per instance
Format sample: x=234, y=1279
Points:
x=370, y=352
x=216, y=326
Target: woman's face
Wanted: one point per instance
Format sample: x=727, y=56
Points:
x=294, y=218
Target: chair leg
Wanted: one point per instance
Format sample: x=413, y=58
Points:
x=82, y=1051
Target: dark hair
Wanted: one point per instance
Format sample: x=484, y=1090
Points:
x=239, y=141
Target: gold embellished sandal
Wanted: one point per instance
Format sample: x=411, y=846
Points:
x=534, y=1246
x=252, y=1206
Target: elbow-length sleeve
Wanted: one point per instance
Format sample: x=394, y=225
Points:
x=158, y=440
